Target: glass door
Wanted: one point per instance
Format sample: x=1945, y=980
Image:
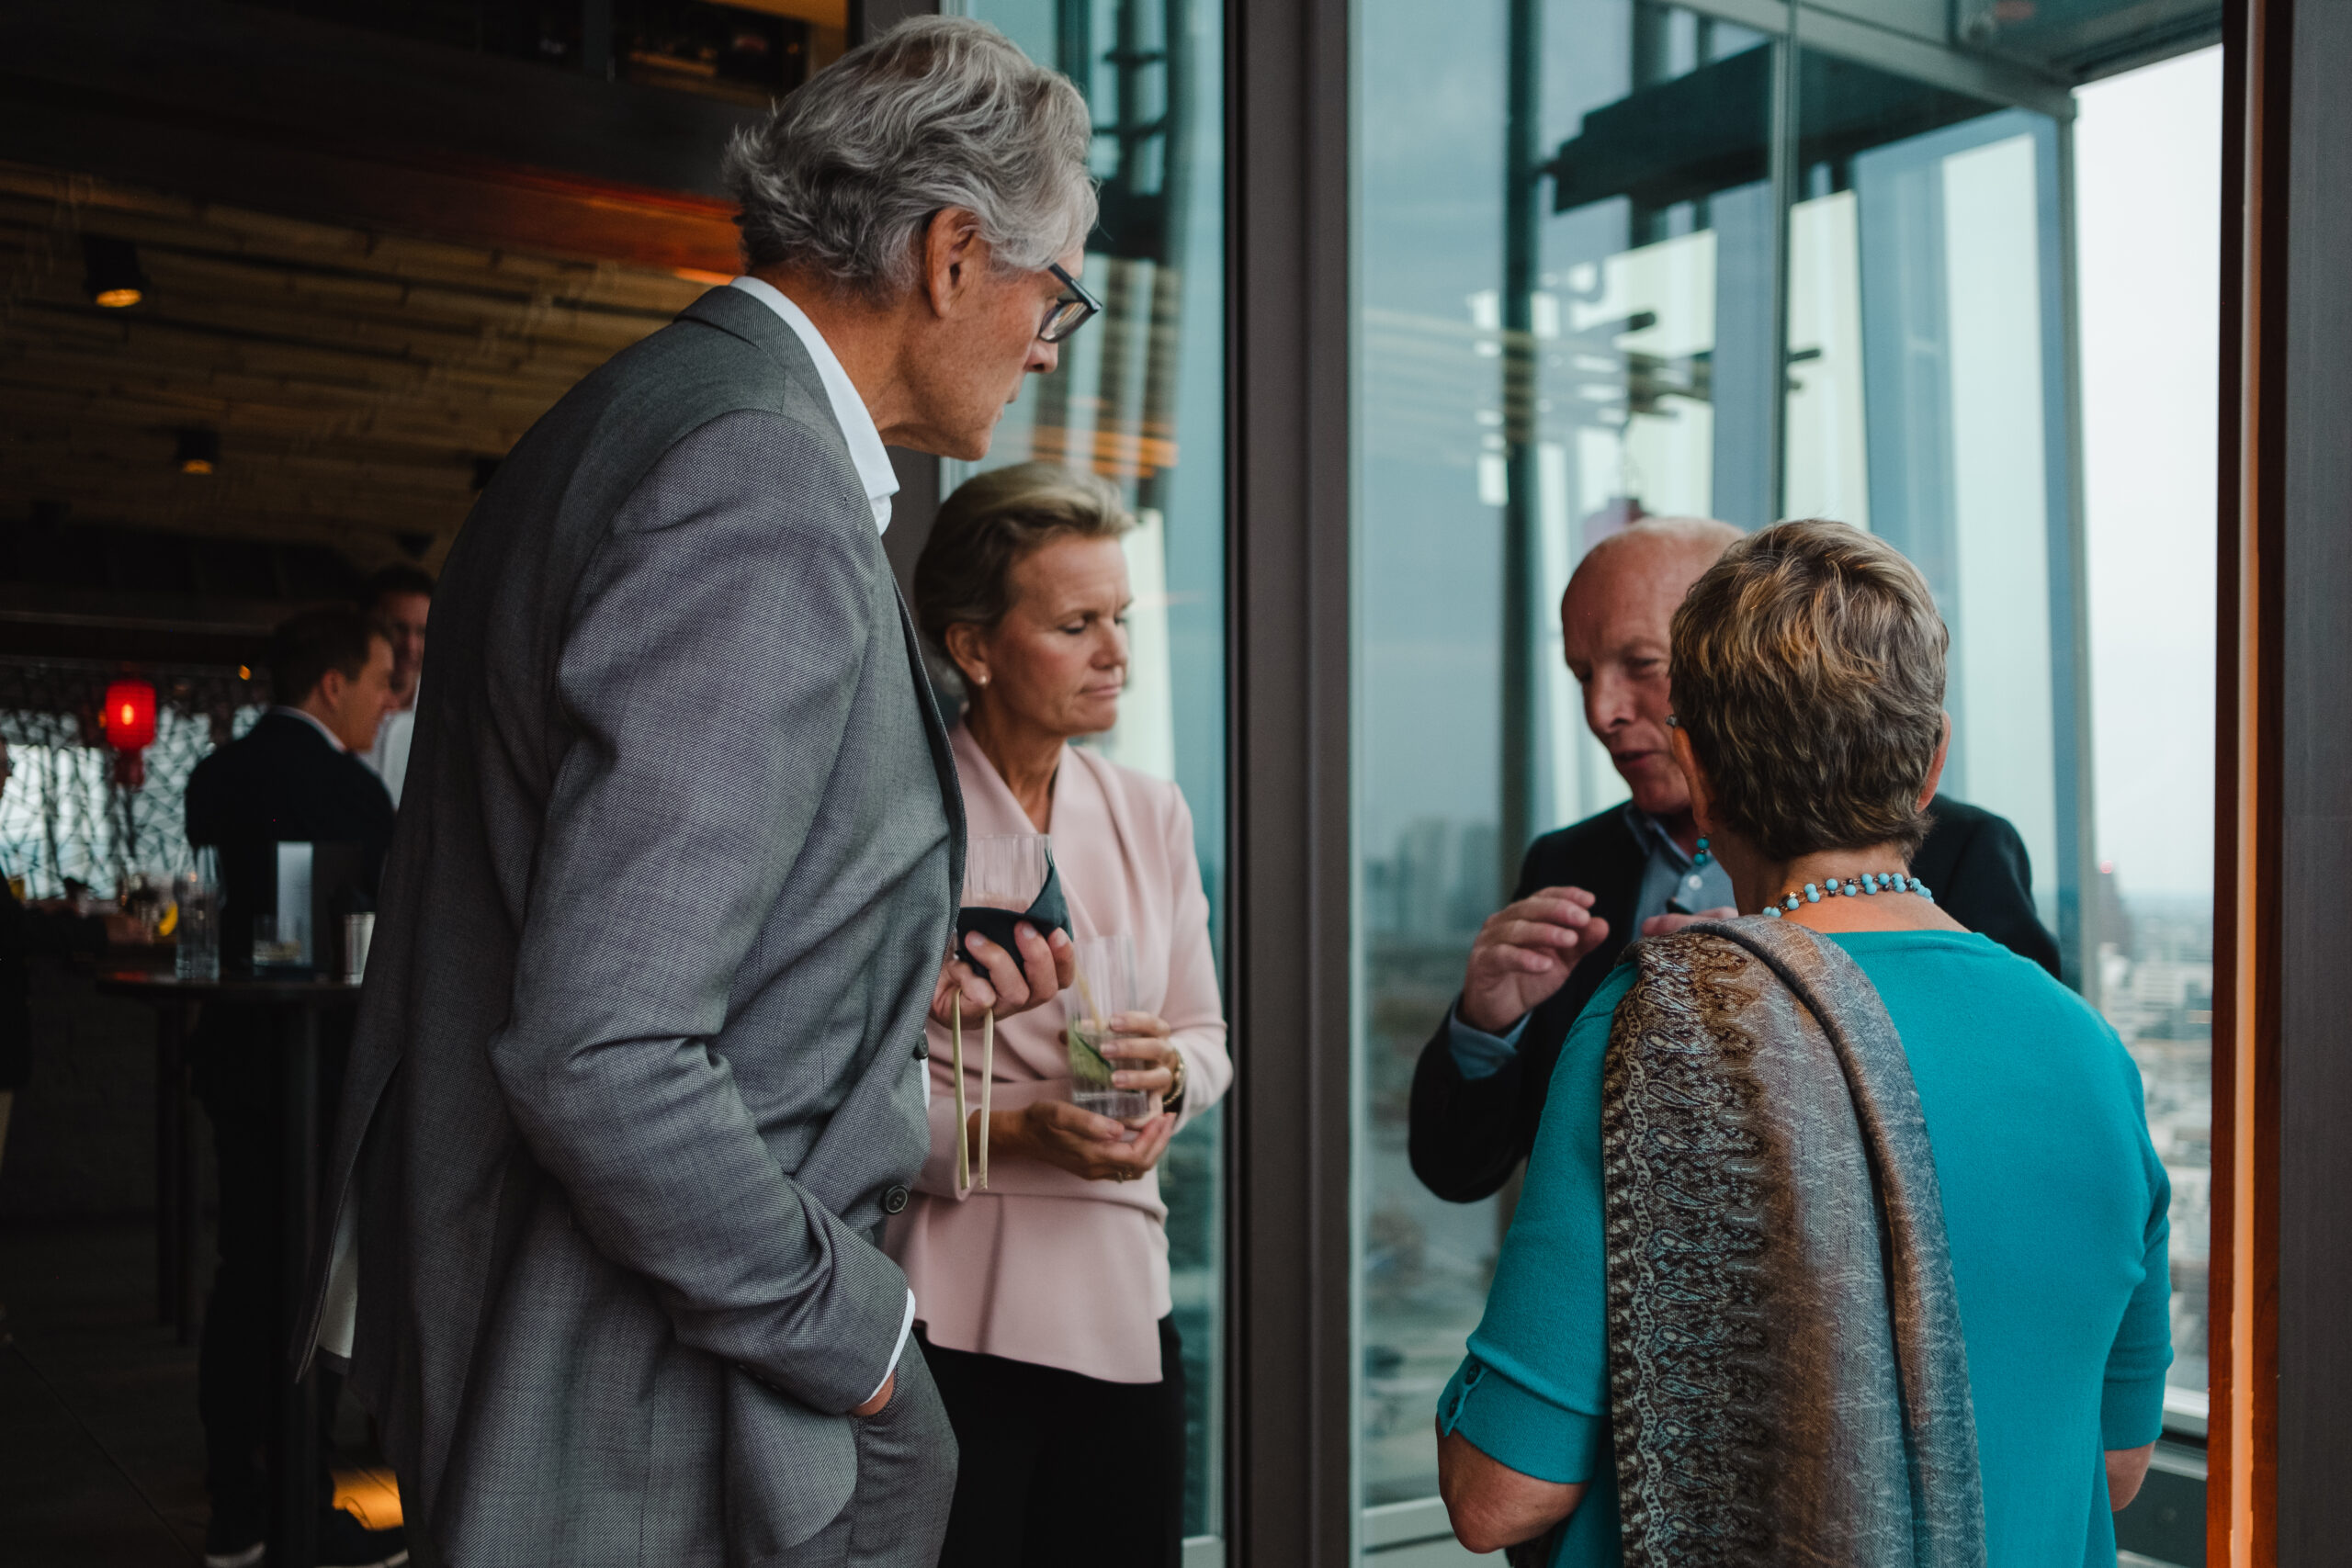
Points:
x=1138, y=398
x=1618, y=259
x=1564, y=260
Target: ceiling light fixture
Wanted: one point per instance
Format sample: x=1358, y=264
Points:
x=111, y=274
x=199, y=450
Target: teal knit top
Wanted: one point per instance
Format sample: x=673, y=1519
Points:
x=2054, y=1204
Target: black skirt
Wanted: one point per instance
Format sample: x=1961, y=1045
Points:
x=1062, y=1470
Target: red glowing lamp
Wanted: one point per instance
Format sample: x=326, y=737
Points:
x=128, y=716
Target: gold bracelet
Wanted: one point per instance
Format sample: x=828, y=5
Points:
x=1175, y=1095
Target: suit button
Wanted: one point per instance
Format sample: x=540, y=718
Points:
x=894, y=1199
x=923, y=1048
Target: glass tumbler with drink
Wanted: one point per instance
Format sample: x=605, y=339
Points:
x=1105, y=988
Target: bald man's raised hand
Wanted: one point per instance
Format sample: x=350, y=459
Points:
x=1524, y=954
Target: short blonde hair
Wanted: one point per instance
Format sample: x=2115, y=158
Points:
x=989, y=526
x=1808, y=670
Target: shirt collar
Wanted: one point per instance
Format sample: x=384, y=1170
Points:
x=311, y=719
x=865, y=449
x=1648, y=828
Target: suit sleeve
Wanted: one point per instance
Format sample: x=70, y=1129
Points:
x=1463, y=1134
x=1991, y=891
x=707, y=675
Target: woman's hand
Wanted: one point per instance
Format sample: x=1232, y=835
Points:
x=1140, y=1050
x=1095, y=1147
x=1009, y=983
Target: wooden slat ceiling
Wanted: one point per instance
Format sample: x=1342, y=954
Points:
x=355, y=378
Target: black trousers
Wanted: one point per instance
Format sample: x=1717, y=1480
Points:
x=1061, y=1470
x=242, y=1363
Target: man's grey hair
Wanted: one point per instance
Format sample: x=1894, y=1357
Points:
x=845, y=175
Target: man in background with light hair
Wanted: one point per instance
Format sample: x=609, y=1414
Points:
x=639, y=1072
x=1632, y=871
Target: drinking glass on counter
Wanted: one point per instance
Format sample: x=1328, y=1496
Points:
x=280, y=941
x=195, y=895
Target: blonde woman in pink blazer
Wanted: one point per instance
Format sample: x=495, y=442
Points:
x=1041, y=1300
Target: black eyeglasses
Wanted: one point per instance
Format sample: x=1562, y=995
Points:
x=1072, y=311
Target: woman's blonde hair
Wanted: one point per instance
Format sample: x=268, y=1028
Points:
x=1808, y=670
x=992, y=523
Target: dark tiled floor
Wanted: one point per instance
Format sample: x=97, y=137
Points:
x=101, y=1457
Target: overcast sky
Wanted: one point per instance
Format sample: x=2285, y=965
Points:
x=2148, y=168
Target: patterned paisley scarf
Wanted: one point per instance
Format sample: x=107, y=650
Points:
x=1788, y=1381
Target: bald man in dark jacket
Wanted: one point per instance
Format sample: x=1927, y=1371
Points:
x=1479, y=1087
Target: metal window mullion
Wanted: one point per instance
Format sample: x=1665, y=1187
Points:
x=1782, y=155
x=2084, y=804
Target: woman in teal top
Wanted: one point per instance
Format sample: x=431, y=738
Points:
x=1808, y=687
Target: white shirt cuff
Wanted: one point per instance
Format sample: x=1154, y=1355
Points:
x=906, y=1326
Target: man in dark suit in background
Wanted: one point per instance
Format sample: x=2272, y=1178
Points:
x=1585, y=891
x=294, y=777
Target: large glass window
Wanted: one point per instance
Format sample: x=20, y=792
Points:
x=1550, y=288
x=1927, y=401
x=1138, y=398
x=1617, y=258
x=2148, y=179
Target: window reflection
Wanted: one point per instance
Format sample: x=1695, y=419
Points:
x=1868, y=326
x=1137, y=397
x=1500, y=438
x=1926, y=401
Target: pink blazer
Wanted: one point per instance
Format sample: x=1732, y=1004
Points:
x=1043, y=1266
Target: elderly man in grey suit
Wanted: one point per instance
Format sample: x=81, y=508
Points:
x=638, y=1072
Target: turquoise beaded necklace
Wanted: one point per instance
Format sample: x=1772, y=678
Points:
x=1870, y=882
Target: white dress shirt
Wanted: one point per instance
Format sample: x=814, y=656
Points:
x=865, y=449
x=388, y=755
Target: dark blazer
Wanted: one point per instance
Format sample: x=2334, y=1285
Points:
x=279, y=782
x=1468, y=1135
x=282, y=782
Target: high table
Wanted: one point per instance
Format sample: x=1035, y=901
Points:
x=297, y=1004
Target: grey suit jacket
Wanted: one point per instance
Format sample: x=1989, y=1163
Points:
x=638, y=1067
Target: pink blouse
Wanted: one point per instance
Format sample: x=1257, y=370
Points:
x=1042, y=1265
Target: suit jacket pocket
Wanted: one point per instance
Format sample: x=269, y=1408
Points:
x=789, y=1469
